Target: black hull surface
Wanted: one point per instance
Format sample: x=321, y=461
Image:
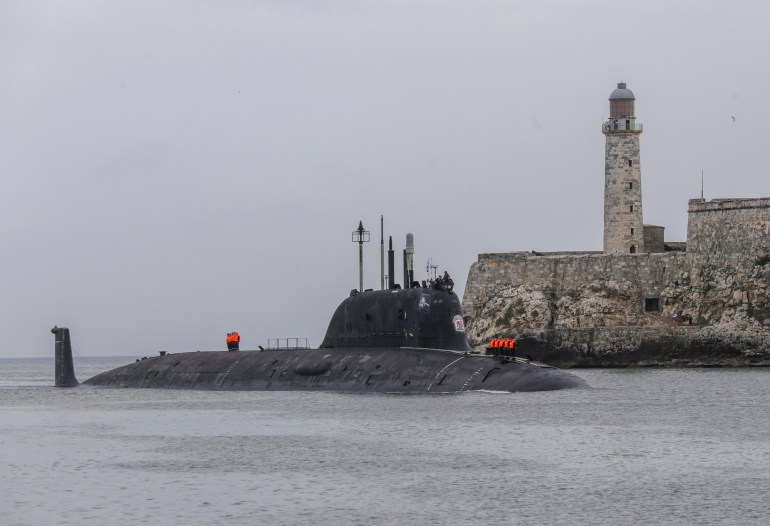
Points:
x=389, y=341
x=390, y=370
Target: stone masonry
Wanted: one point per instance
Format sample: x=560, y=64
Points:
x=728, y=229
x=623, y=226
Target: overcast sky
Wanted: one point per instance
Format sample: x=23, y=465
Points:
x=174, y=170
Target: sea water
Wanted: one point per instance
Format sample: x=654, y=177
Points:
x=645, y=447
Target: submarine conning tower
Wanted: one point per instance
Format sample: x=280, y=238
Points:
x=427, y=317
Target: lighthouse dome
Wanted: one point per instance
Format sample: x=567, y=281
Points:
x=622, y=93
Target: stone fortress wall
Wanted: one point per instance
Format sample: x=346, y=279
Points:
x=728, y=229
x=618, y=308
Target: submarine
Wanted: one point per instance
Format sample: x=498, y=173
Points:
x=393, y=340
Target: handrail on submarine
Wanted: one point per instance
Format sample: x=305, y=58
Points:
x=274, y=344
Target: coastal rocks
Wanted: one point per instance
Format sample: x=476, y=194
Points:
x=645, y=310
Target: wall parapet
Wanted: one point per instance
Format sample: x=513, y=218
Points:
x=497, y=256
x=701, y=205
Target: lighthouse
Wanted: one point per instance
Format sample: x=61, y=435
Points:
x=623, y=225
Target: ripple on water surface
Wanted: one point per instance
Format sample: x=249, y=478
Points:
x=641, y=447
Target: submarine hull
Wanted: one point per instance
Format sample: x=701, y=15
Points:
x=392, y=370
x=395, y=341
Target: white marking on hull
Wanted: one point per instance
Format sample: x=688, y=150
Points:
x=221, y=380
x=444, y=369
x=471, y=377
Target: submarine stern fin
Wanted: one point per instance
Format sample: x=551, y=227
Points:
x=65, y=369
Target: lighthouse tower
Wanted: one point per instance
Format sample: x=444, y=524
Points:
x=623, y=227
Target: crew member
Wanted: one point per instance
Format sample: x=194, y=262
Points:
x=233, y=341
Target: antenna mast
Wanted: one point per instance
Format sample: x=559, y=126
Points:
x=360, y=236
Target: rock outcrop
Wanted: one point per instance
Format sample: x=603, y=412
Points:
x=604, y=310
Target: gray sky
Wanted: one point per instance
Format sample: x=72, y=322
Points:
x=171, y=171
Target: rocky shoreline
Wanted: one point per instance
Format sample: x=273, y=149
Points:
x=642, y=347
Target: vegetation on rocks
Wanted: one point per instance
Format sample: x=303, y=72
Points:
x=505, y=319
x=700, y=321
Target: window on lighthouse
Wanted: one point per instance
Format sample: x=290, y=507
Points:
x=632, y=208
x=633, y=249
x=630, y=162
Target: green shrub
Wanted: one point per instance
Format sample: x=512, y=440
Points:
x=762, y=261
x=505, y=319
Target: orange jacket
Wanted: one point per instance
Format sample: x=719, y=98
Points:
x=505, y=343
